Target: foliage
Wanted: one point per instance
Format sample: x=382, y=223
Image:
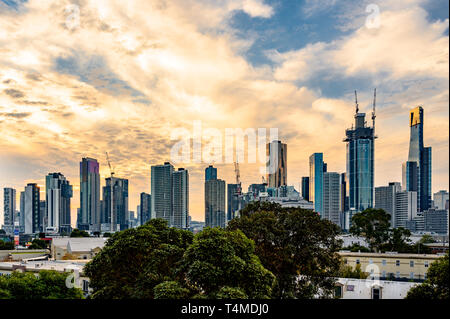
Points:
x=220, y=258
x=373, y=224
x=427, y=239
x=170, y=290
x=398, y=240
x=48, y=285
x=78, y=233
x=38, y=244
x=136, y=260
x=347, y=271
x=296, y=245
x=436, y=286
x=107, y=235
x=231, y=293
x=356, y=248
x=6, y=245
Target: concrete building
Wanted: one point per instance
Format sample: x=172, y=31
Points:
x=349, y=288
x=145, y=208
x=89, y=218
x=180, y=198
x=277, y=164
x=405, y=208
x=331, y=197
x=440, y=199
x=58, y=194
x=9, y=209
x=32, y=219
x=385, y=199
x=436, y=220
x=63, y=248
x=316, y=169
x=161, y=190
x=115, y=203
x=215, y=203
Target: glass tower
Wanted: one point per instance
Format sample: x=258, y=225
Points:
x=58, y=194
x=417, y=170
x=180, y=198
x=161, y=185
x=89, y=218
x=316, y=181
x=360, y=163
x=210, y=173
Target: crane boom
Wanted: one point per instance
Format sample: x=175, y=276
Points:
x=356, y=102
x=374, y=104
x=109, y=164
x=238, y=176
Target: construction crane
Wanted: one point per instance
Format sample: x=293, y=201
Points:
x=373, y=110
x=109, y=164
x=238, y=177
x=356, y=102
x=263, y=180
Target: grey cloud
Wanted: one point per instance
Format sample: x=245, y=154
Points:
x=18, y=115
x=14, y=93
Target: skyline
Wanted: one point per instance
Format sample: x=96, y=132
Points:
x=63, y=97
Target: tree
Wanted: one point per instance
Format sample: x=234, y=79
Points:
x=436, y=286
x=373, y=224
x=427, y=239
x=134, y=261
x=6, y=245
x=222, y=263
x=398, y=241
x=48, y=285
x=296, y=245
x=170, y=290
x=356, y=248
x=38, y=244
x=78, y=233
x=347, y=271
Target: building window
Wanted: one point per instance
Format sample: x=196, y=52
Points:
x=384, y=262
x=370, y=261
x=426, y=263
x=425, y=276
x=85, y=285
x=357, y=261
x=338, y=292
x=411, y=275
x=411, y=263
x=397, y=263
x=376, y=293
x=384, y=274
x=397, y=275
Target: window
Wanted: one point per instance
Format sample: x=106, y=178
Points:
x=411, y=263
x=376, y=293
x=85, y=285
x=384, y=274
x=384, y=262
x=425, y=276
x=338, y=292
x=397, y=275
x=370, y=261
x=411, y=275
x=397, y=263
x=426, y=263
x=350, y=288
x=357, y=261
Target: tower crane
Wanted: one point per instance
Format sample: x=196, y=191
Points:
x=238, y=177
x=109, y=164
x=356, y=102
x=373, y=110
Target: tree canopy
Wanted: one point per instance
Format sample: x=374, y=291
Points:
x=436, y=286
x=373, y=224
x=78, y=233
x=296, y=245
x=6, y=245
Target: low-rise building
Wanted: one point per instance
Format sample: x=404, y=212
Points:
x=76, y=248
x=349, y=288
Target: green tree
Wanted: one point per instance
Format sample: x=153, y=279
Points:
x=38, y=244
x=221, y=258
x=347, y=271
x=373, y=224
x=436, y=286
x=231, y=293
x=356, y=248
x=78, y=233
x=170, y=290
x=296, y=245
x=6, y=245
x=398, y=241
x=48, y=285
x=427, y=239
x=136, y=260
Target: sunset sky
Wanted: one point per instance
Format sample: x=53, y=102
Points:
x=126, y=74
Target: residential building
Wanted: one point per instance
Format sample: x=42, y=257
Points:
x=161, y=190
x=58, y=194
x=440, y=198
x=277, y=164
x=385, y=199
x=89, y=217
x=32, y=220
x=233, y=200
x=405, y=208
x=331, y=197
x=316, y=181
x=115, y=201
x=436, y=220
x=145, y=207
x=210, y=173
x=9, y=209
x=215, y=203
x=180, y=198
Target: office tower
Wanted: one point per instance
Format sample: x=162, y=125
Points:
x=215, y=203
x=232, y=201
x=115, y=201
x=210, y=173
x=58, y=194
x=9, y=209
x=180, y=198
x=90, y=218
x=405, y=208
x=316, y=181
x=331, y=197
x=255, y=189
x=145, y=207
x=360, y=162
x=161, y=190
x=440, y=198
x=325, y=167
x=343, y=206
x=305, y=188
x=385, y=199
x=277, y=164
x=417, y=170
x=22, y=212
x=31, y=209
x=42, y=216
x=436, y=220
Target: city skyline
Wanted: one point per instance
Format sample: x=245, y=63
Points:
x=62, y=102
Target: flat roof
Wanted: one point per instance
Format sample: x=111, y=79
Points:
x=390, y=255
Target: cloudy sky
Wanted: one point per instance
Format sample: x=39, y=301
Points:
x=79, y=78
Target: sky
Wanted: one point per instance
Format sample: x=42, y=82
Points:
x=81, y=78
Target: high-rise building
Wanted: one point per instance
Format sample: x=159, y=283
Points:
x=58, y=194
x=42, y=216
x=232, y=201
x=9, y=209
x=115, y=201
x=90, y=217
x=161, y=190
x=215, y=203
x=145, y=208
x=385, y=199
x=32, y=220
x=360, y=163
x=305, y=188
x=22, y=212
x=331, y=197
x=405, y=208
x=316, y=181
x=277, y=164
x=210, y=173
x=180, y=198
x=256, y=189
x=436, y=220
x=344, y=207
x=417, y=170
x=440, y=198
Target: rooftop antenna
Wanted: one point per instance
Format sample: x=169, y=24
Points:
x=374, y=104
x=356, y=101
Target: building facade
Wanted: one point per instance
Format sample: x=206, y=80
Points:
x=145, y=208
x=32, y=216
x=161, y=190
x=115, y=203
x=9, y=209
x=316, y=169
x=277, y=164
x=440, y=199
x=385, y=199
x=89, y=217
x=305, y=188
x=58, y=194
x=405, y=208
x=215, y=203
x=331, y=197
x=180, y=198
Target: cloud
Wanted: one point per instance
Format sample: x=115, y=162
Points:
x=15, y=115
x=16, y=94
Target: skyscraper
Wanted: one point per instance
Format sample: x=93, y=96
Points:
x=161, y=186
x=180, y=198
x=316, y=181
x=232, y=201
x=405, y=208
x=145, y=207
x=417, y=170
x=215, y=203
x=58, y=194
x=385, y=199
x=277, y=164
x=305, y=188
x=115, y=201
x=360, y=162
x=90, y=217
x=9, y=209
x=210, y=173
x=331, y=197
x=440, y=198
x=31, y=209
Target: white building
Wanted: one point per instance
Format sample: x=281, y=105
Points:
x=349, y=288
x=440, y=198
